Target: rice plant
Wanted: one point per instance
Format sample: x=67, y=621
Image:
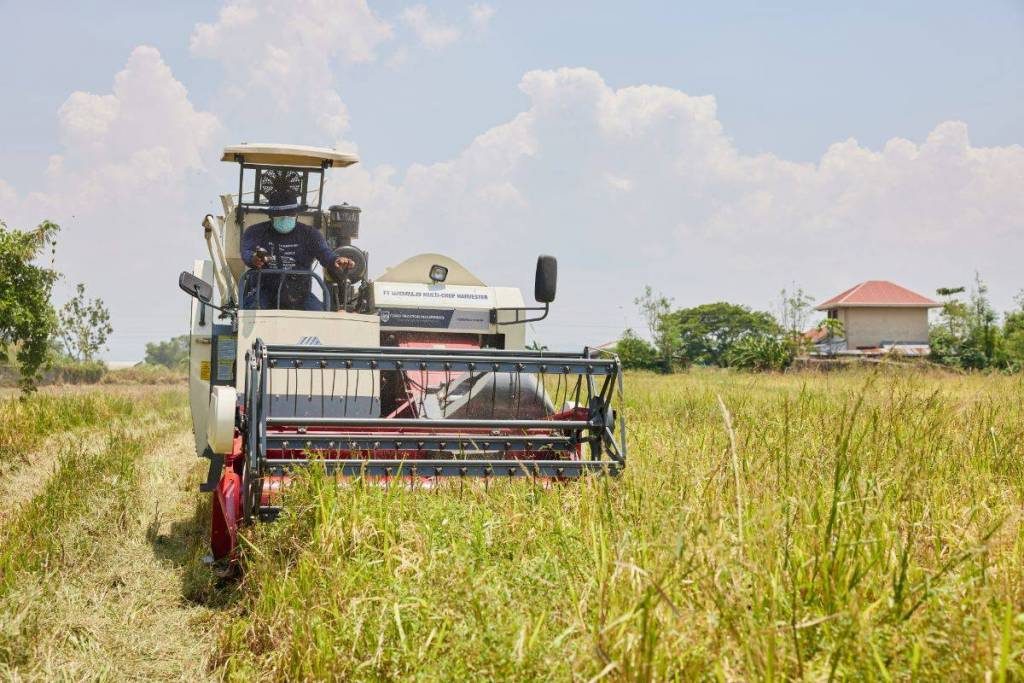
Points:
x=863, y=525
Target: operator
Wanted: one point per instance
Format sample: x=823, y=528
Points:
x=285, y=244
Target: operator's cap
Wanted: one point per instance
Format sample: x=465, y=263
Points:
x=284, y=205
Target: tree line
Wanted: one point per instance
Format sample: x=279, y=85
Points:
x=967, y=333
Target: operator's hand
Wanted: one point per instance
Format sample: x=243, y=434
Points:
x=260, y=260
x=344, y=263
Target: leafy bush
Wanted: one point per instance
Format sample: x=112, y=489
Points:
x=172, y=353
x=90, y=372
x=637, y=354
x=967, y=334
x=761, y=352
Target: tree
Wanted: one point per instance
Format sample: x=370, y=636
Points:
x=84, y=326
x=706, y=333
x=984, y=335
x=27, y=320
x=635, y=353
x=795, y=309
x=953, y=312
x=833, y=328
x=655, y=308
x=172, y=353
x=1013, y=336
x=967, y=334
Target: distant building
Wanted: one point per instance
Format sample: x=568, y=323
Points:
x=878, y=316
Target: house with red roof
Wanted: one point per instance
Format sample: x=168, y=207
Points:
x=878, y=315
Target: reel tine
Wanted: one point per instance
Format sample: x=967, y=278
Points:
x=517, y=392
x=345, y=409
x=494, y=393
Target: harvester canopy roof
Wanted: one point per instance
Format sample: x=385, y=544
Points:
x=273, y=154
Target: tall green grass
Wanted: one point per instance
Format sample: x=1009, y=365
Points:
x=858, y=525
x=25, y=422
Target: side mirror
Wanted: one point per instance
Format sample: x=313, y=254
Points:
x=194, y=286
x=546, y=280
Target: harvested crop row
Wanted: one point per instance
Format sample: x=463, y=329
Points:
x=859, y=524
x=91, y=567
x=25, y=422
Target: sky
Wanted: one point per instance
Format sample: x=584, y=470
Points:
x=713, y=152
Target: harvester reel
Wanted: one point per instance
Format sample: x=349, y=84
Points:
x=460, y=413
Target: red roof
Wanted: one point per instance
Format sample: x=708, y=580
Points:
x=816, y=335
x=878, y=293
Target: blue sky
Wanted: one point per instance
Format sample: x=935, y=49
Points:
x=788, y=81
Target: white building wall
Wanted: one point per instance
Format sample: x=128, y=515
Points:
x=870, y=326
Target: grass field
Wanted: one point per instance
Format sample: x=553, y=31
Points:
x=857, y=525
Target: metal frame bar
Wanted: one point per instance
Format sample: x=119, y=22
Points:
x=459, y=443
x=425, y=423
x=328, y=302
x=254, y=205
x=485, y=360
x=449, y=447
x=457, y=468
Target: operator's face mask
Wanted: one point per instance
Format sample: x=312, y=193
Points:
x=284, y=224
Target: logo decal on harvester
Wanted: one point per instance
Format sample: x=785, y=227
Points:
x=436, y=318
x=309, y=341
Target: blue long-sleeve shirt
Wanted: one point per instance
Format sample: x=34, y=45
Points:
x=293, y=251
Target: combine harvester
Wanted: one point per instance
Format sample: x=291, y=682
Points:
x=418, y=375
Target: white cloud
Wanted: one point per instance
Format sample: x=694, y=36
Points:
x=399, y=58
x=431, y=32
x=626, y=186
x=281, y=53
x=120, y=189
x=619, y=182
x=643, y=185
x=144, y=136
x=480, y=15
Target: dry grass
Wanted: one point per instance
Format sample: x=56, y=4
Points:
x=864, y=525
x=93, y=566
x=26, y=421
x=145, y=374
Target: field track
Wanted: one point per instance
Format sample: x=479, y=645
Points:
x=98, y=590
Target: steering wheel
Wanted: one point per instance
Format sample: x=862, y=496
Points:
x=294, y=291
x=356, y=272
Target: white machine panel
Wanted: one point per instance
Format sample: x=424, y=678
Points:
x=304, y=392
